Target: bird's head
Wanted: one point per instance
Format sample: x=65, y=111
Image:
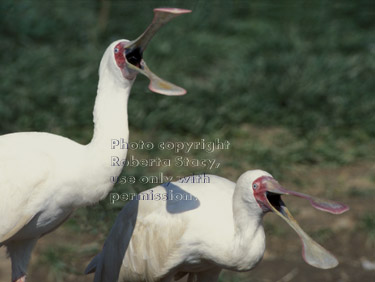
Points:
x=267, y=193
x=125, y=58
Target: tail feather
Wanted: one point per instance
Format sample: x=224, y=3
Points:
x=91, y=268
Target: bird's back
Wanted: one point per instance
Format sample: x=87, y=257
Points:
x=27, y=162
x=147, y=237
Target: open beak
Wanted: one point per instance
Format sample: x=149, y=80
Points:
x=313, y=253
x=134, y=52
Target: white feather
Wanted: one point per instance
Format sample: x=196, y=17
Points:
x=220, y=227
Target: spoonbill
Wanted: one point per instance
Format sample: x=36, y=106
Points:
x=44, y=177
x=200, y=229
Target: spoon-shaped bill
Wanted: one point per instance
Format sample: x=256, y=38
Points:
x=318, y=203
x=161, y=17
x=313, y=253
x=134, y=52
x=157, y=84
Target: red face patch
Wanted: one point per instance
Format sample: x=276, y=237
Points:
x=119, y=55
x=260, y=193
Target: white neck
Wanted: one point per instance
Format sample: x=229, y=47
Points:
x=110, y=122
x=110, y=111
x=249, y=238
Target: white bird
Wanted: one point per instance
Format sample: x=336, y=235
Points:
x=199, y=226
x=44, y=177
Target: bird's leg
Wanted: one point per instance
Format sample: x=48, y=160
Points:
x=20, y=253
x=208, y=276
x=21, y=279
x=169, y=278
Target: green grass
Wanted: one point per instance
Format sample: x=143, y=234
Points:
x=367, y=224
x=54, y=258
x=266, y=64
x=227, y=276
x=322, y=235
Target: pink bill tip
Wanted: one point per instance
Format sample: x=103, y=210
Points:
x=172, y=10
x=331, y=207
x=168, y=92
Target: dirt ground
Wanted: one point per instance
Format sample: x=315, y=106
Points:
x=344, y=235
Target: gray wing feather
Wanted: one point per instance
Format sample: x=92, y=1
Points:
x=107, y=264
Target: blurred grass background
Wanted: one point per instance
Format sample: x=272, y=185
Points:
x=290, y=85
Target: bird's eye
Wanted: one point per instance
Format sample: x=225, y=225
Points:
x=116, y=50
x=255, y=186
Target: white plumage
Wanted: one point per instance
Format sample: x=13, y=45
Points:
x=199, y=230
x=44, y=177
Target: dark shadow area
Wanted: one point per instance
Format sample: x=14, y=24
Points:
x=179, y=201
